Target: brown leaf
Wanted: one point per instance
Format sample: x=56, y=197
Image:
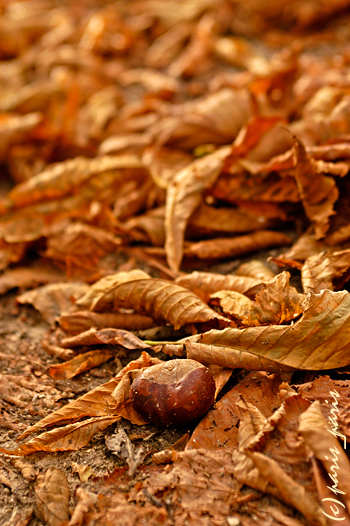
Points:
x=86, y=501
x=276, y=303
x=325, y=270
x=100, y=288
x=204, y=284
x=80, y=321
x=162, y=300
x=105, y=336
x=215, y=118
x=15, y=128
x=318, y=340
x=219, y=428
x=184, y=194
x=53, y=299
x=63, y=178
x=29, y=277
x=255, y=269
x=81, y=246
x=238, y=246
x=52, y=497
x=11, y=253
x=190, y=487
x=317, y=192
x=68, y=438
x=321, y=437
x=81, y=363
x=290, y=491
x=209, y=219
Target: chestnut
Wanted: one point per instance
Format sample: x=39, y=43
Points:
x=174, y=393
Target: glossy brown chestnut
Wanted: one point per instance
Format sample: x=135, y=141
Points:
x=174, y=393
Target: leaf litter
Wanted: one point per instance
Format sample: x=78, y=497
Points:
x=175, y=183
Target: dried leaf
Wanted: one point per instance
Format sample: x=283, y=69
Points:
x=184, y=194
x=321, y=437
x=162, y=300
x=81, y=363
x=53, y=299
x=52, y=497
x=276, y=303
x=66, y=177
x=80, y=321
x=219, y=428
x=289, y=490
x=325, y=270
x=107, y=337
x=255, y=269
x=86, y=501
x=204, y=284
x=213, y=119
x=68, y=438
x=29, y=277
x=208, y=219
x=317, y=192
x=104, y=285
x=318, y=340
x=119, y=444
x=238, y=246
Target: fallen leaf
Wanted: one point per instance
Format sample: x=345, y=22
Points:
x=318, y=340
x=317, y=192
x=219, y=428
x=52, y=497
x=96, y=403
x=99, y=289
x=238, y=246
x=81, y=363
x=290, y=491
x=204, y=284
x=184, y=194
x=162, y=300
x=70, y=437
x=105, y=336
x=80, y=321
x=86, y=501
x=255, y=269
x=120, y=444
x=325, y=270
x=321, y=437
x=53, y=299
x=276, y=303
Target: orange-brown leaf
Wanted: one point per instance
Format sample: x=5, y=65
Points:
x=81, y=363
x=107, y=337
x=68, y=438
x=163, y=300
x=237, y=246
x=276, y=303
x=80, y=321
x=206, y=283
x=317, y=191
x=52, y=497
x=325, y=270
x=320, y=339
x=184, y=194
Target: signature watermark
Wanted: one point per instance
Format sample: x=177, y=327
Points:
x=334, y=451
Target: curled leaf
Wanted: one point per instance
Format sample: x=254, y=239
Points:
x=162, y=300
x=206, y=283
x=52, y=497
x=320, y=339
